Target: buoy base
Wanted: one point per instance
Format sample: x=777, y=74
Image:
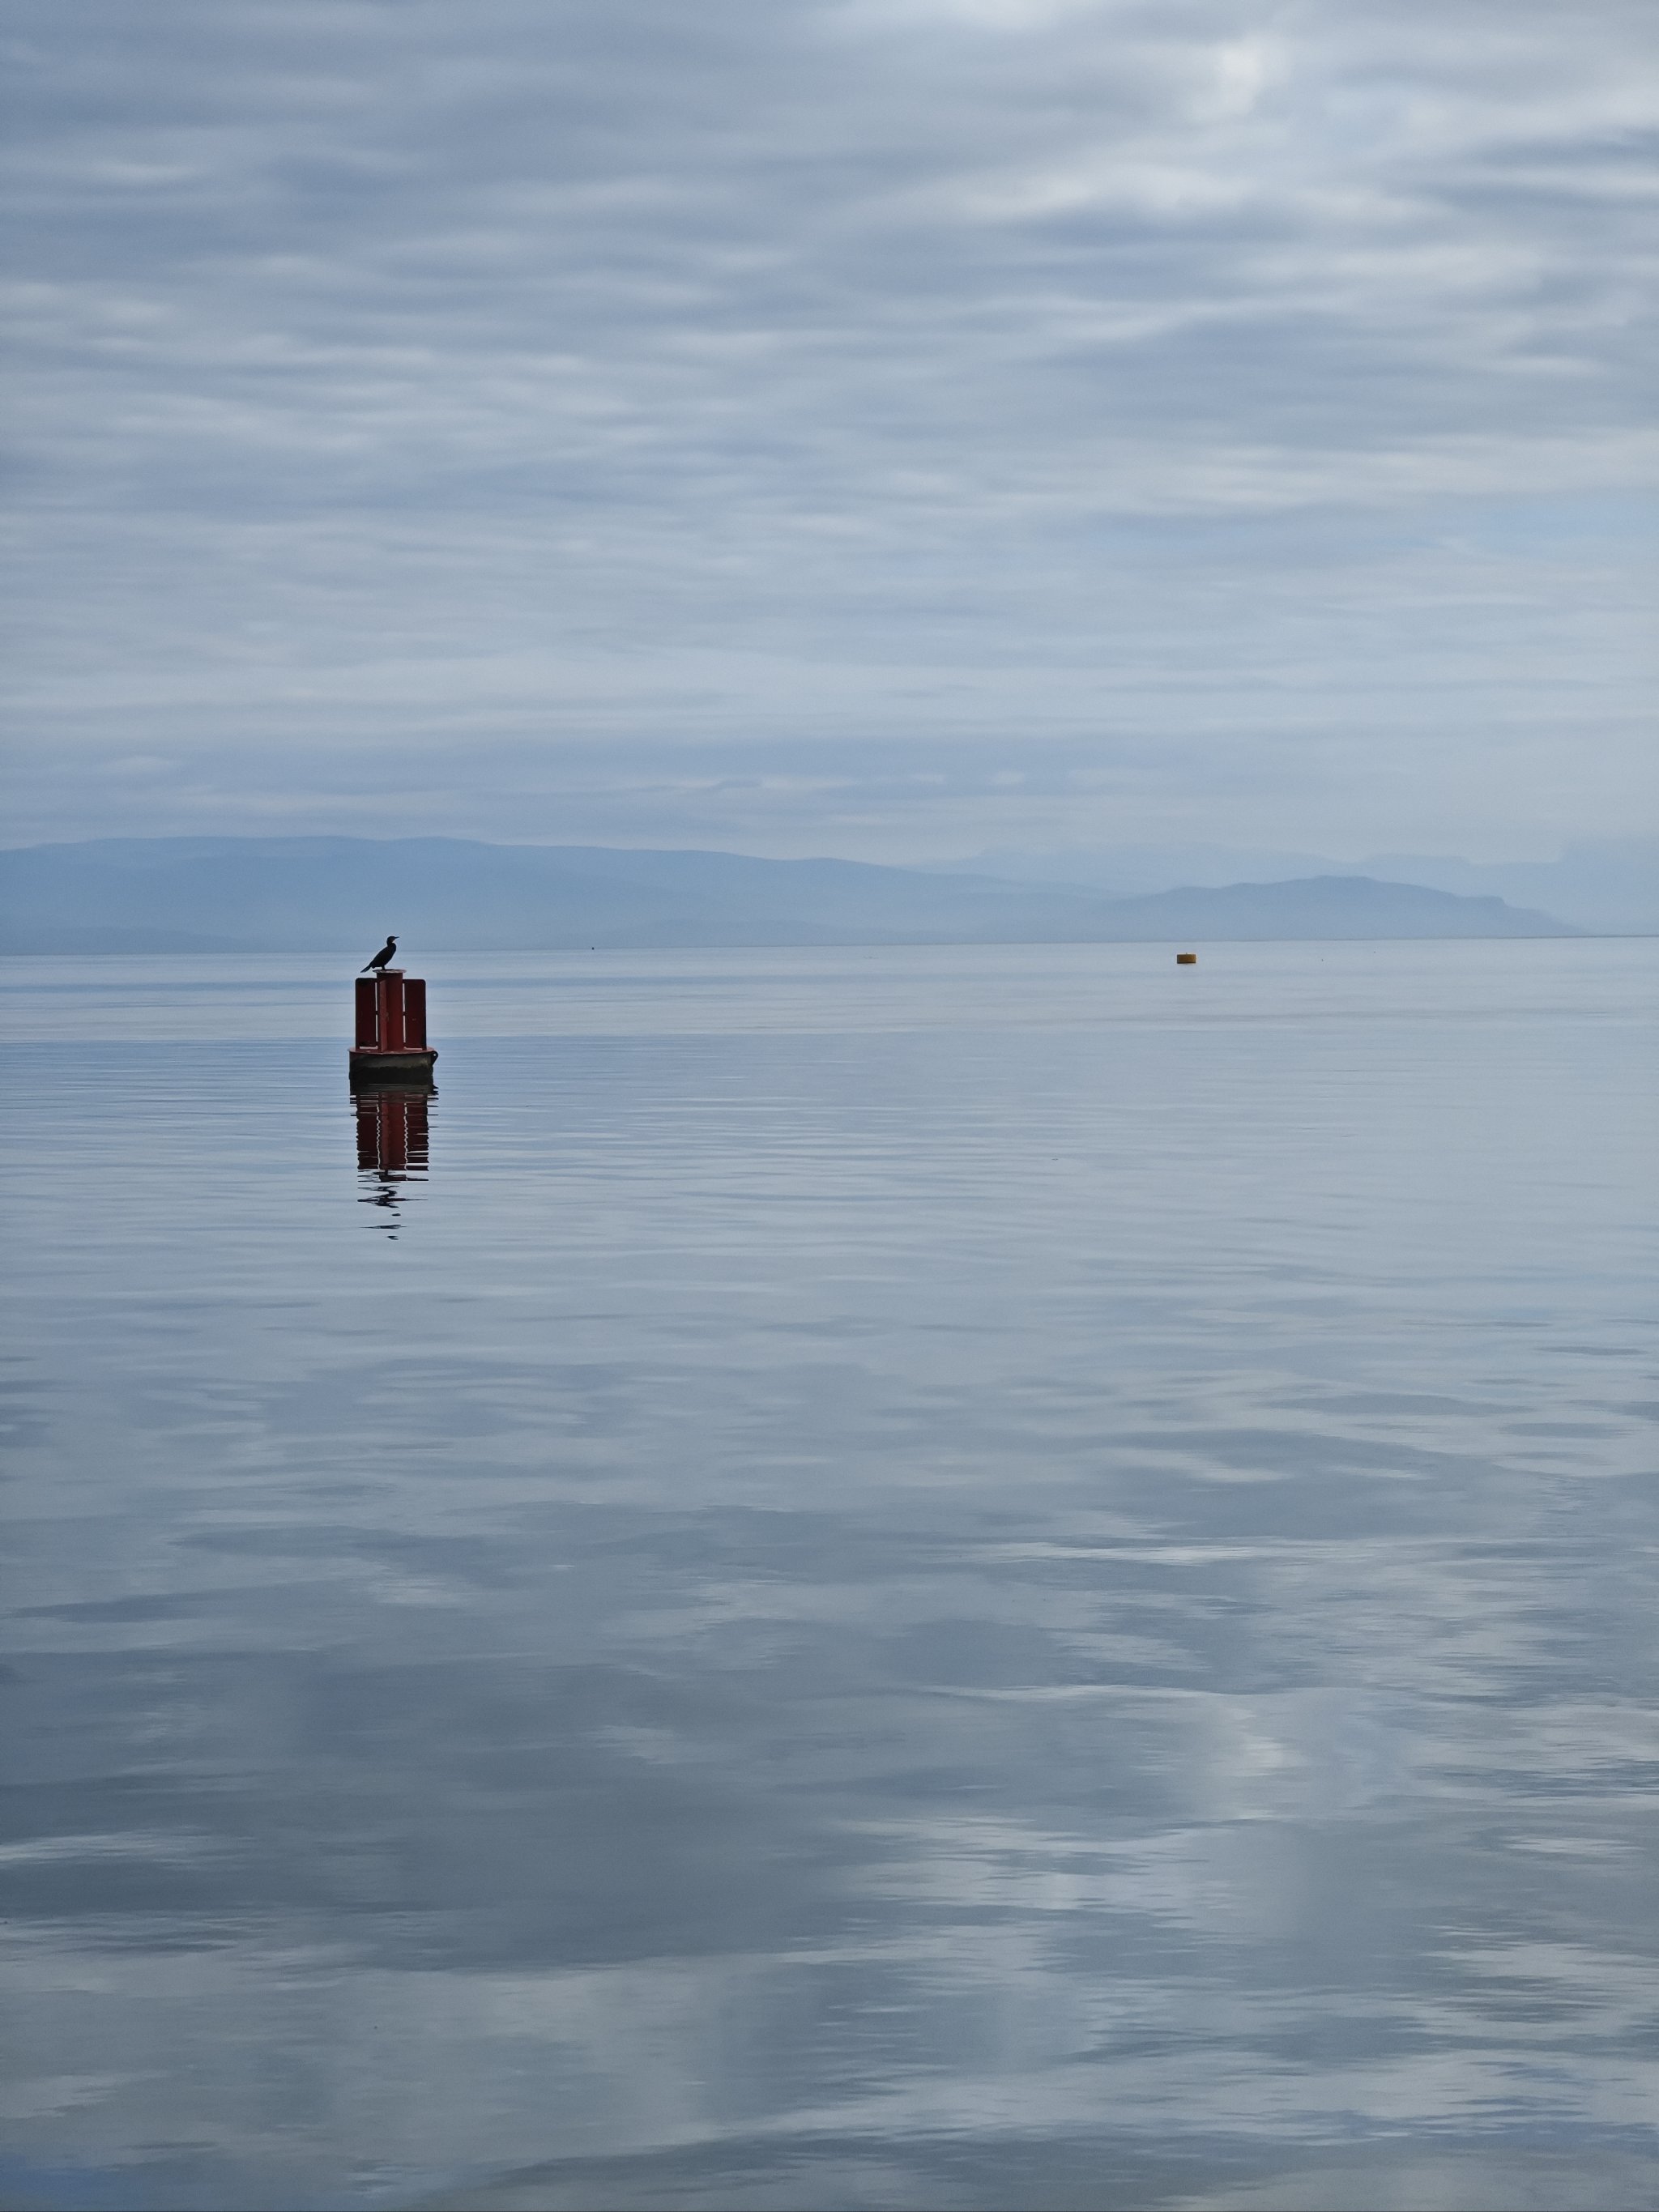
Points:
x=370, y=1065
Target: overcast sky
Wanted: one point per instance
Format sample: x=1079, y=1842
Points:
x=886, y=427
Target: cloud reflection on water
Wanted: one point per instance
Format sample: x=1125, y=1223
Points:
x=916, y=1616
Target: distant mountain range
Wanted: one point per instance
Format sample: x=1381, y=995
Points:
x=1608, y=884
x=342, y=894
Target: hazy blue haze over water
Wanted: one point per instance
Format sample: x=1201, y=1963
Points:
x=975, y=1577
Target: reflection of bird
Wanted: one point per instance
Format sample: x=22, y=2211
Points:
x=380, y=959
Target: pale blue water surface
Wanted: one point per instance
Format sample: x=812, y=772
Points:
x=893, y=1578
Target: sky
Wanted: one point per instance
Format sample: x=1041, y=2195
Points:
x=883, y=428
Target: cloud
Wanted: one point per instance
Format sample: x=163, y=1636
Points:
x=1213, y=405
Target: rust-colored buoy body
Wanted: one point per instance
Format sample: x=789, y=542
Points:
x=1186, y=960
x=392, y=1046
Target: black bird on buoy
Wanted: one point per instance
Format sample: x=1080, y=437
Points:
x=380, y=959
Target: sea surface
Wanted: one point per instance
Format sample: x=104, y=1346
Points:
x=983, y=1578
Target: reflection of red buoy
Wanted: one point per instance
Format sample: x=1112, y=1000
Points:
x=392, y=1133
x=392, y=1046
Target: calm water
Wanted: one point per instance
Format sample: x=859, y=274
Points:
x=894, y=1579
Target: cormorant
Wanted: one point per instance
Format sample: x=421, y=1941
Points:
x=380, y=959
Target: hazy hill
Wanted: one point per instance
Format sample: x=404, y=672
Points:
x=342, y=894
x=1323, y=906
x=1608, y=883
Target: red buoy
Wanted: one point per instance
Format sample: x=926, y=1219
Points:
x=392, y=1046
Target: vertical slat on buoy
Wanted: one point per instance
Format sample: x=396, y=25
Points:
x=391, y=1010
